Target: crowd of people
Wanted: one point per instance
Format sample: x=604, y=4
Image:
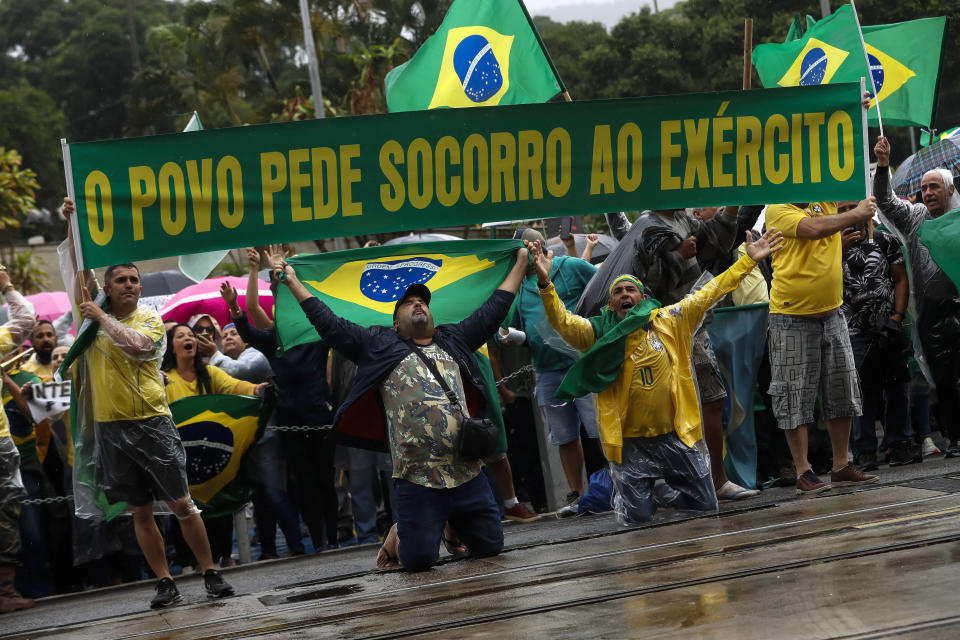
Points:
x=401, y=439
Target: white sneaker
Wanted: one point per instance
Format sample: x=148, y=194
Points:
x=929, y=448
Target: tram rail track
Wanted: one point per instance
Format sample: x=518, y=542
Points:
x=273, y=626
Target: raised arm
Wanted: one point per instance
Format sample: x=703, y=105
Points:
x=484, y=322
x=693, y=308
x=258, y=317
x=900, y=214
x=618, y=223
x=20, y=319
x=715, y=237
x=347, y=337
x=86, y=278
x=572, y=328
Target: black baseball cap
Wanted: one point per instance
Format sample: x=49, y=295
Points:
x=416, y=289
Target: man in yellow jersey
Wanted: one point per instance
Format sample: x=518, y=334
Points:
x=12, y=334
x=810, y=352
x=638, y=362
x=139, y=455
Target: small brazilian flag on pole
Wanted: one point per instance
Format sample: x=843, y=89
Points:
x=484, y=54
x=363, y=285
x=216, y=431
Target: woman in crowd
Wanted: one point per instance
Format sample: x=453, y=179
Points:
x=186, y=376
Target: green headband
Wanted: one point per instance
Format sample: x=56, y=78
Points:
x=626, y=276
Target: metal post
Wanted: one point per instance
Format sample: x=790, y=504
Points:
x=243, y=536
x=747, y=52
x=824, y=8
x=312, y=62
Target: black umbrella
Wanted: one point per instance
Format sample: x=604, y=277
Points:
x=944, y=154
x=605, y=244
x=163, y=283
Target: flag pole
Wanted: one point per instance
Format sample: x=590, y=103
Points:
x=71, y=193
x=747, y=52
x=866, y=59
x=543, y=47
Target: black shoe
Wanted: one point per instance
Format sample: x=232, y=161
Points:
x=904, y=452
x=167, y=594
x=215, y=585
x=867, y=462
x=952, y=450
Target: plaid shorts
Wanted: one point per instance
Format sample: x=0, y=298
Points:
x=709, y=382
x=811, y=357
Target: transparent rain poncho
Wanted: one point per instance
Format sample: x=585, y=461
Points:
x=153, y=440
x=12, y=334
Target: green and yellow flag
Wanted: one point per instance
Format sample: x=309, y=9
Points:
x=216, y=431
x=905, y=60
x=829, y=52
x=363, y=285
x=484, y=54
x=942, y=237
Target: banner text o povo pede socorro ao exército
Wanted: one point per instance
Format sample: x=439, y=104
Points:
x=185, y=193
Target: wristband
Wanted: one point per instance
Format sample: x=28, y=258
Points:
x=542, y=286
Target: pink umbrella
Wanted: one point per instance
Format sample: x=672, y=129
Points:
x=204, y=297
x=50, y=305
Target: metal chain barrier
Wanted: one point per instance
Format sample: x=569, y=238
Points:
x=526, y=370
x=319, y=427
x=53, y=500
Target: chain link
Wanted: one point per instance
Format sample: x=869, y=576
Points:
x=319, y=427
x=524, y=371
x=53, y=500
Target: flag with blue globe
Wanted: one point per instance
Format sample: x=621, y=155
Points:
x=387, y=281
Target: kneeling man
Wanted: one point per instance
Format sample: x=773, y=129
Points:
x=638, y=362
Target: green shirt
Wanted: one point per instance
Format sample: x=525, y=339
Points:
x=424, y=428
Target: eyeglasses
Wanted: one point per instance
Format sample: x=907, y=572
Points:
x=209, y=330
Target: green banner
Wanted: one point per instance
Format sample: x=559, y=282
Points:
x=190, y=192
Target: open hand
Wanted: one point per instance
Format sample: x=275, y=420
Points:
x=253, y=258
x=228, y=293
x=542, y=262
x=275, y=257
x=770, y=242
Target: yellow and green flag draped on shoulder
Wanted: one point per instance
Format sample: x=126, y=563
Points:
x=484, y=54
x=216, y=431
x=905, y=61
x=363, y=285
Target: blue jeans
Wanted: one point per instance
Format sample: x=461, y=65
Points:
x=422, y=512
x=563, y=419
x=35, y=578
x=364, y=472
x=883, y=382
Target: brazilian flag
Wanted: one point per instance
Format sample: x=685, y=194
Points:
x=216, y=431
x=484, y=54
x=905, y=61
x=363, y=285
x=942, y=237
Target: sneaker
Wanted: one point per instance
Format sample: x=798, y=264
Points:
x=215, y=585
x=868, y=461
x=902, y=453
x=572, y=508
x=167, y=594
x=929, y=448
x=520, y=513
x=808, y=484
x=952, y=450
x=850, y=476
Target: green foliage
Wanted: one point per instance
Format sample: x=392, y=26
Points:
x=18, y=188
x=32, y=123
x=28, y=272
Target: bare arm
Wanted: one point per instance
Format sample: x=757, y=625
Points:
x=588, y=250
x=257, y=316
x=826, y=226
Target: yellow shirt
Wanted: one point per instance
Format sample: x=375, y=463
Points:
x=6, y=346
x=127, y=387
x=221, y=383
x=753, y=289
x=650, y=411
x=43, y=371
x=807, y=274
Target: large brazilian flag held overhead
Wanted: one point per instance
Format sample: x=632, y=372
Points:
x=485, y=53
x=363, y=285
